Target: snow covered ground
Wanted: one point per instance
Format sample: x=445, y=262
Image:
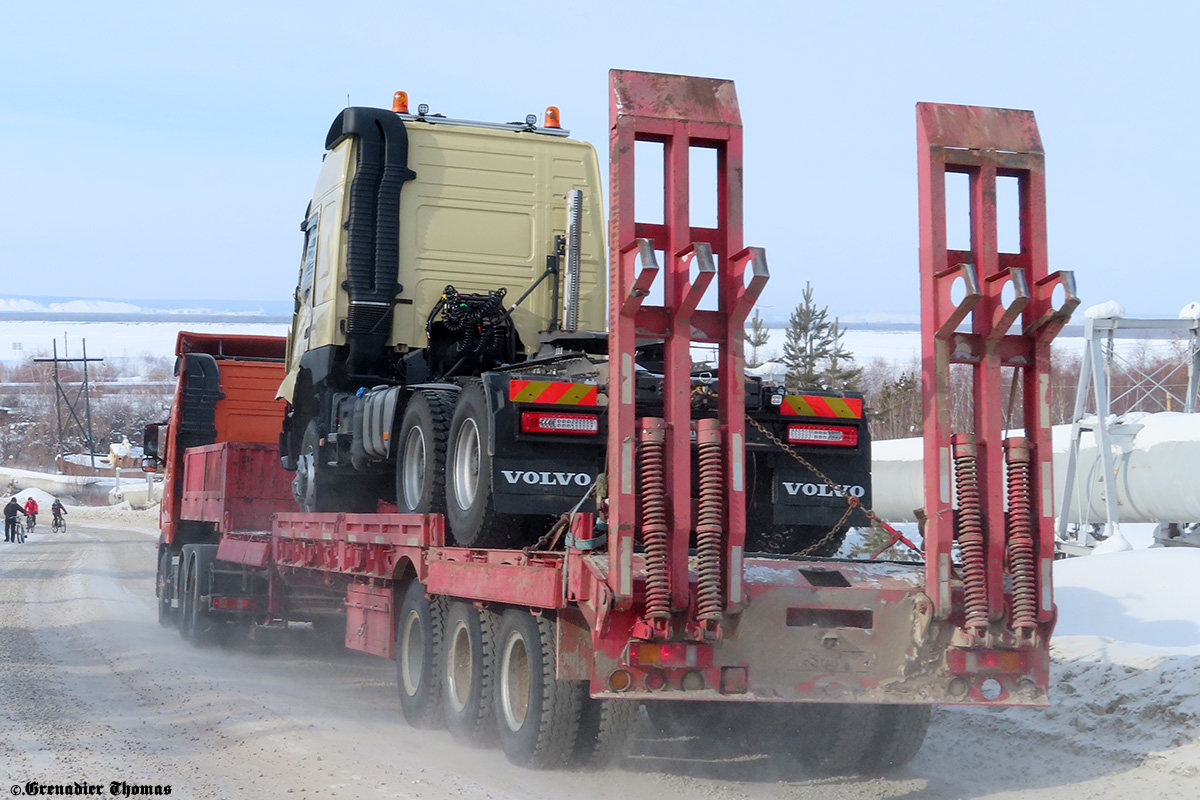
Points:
x=1126, y=661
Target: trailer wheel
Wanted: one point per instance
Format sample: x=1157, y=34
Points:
x=165, y=588
x=605, y=732
x=899, y=733
x=421, y=453
x=537, y=716
x=470, y=512
x=469, y=671
x=418, y=654
x=838, y=737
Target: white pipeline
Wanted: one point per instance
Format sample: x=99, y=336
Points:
x=1156, y=459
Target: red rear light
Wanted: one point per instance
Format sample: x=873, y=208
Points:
x=1009, y=662
x=836, y=435
x=551, y=422
x=682, y=654
x=233, y=604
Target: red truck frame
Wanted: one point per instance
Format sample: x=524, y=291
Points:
x=652, y=599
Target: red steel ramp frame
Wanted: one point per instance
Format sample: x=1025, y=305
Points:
x=966, y=502
x=680, y=113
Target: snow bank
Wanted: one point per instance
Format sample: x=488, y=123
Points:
x=1105, y=310
x=1149, y=598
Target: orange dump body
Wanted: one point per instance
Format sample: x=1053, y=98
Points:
x=225, y=393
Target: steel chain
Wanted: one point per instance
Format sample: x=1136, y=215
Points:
x=851, y=502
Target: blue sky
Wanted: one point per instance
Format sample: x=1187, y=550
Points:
x=163, y=152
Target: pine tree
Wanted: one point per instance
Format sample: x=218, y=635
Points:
x=897, y=411
x=756, y=337
x=840, y=372
x=807, y=343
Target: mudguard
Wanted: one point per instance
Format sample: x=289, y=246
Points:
x=538, y=474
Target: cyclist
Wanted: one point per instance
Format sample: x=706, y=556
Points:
x=31, y=511
x=10, y=519
x=57, y=511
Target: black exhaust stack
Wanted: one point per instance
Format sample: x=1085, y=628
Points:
x=373, y=235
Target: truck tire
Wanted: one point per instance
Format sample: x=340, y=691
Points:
x=470, y=512
x=165, y=588
x=688, y=718
x=203, y=626
x=837, y=737
x=605, y=732
x=313, y=486
x=469, y=672
x=537, y=716
x=421, y=453
x=419, y=629
x=317, y=487
x=183, y=590
x=899, y=733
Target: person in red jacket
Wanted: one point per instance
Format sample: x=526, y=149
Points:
x=31, y=508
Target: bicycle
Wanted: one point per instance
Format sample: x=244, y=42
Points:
x=58, y=524
x=19, y=532
x=30, y=522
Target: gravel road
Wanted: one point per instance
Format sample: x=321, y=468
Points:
x=93, y=691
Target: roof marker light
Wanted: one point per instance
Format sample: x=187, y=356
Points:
x=400, y=103
x=552, y=120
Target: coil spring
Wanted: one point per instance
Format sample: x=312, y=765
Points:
x=1021, y=560
x=708, y=532
x=970, y=538
x=653, y=496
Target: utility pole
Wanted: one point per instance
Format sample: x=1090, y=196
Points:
x=61, y=397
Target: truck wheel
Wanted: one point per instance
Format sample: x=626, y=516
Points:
x=418, y=655
x=899, y=734
x=317, y=487
x=183, y=590
x=421, y=453
x=470, y=513
x=537, y=716
x=837, y=737
x=204, y=626
x=605, y=732
x=469, y=671
x=313, y=485
x=165, y=589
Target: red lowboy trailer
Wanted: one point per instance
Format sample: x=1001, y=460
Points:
x=649, y=597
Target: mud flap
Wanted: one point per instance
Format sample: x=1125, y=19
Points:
x=369, y=624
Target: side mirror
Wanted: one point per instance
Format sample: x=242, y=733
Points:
x=150, y=441
x=149, y=466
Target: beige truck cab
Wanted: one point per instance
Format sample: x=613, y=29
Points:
x=434, y=250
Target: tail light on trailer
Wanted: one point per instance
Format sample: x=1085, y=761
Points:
x=234, y=604
x=834, y=435
x=998, y=662
x=671, y=654
x=554, y=422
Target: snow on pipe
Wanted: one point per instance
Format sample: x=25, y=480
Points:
x=1156, y=458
